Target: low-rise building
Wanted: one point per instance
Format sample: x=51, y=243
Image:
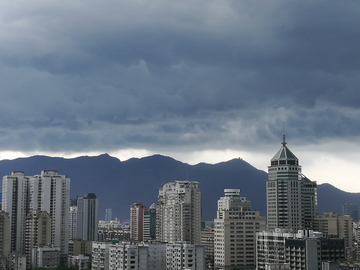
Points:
x=304, y=250
x=46, y=257
x=80, y=261
x=147, y=256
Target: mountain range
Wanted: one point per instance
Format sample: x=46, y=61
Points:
x=118, y=184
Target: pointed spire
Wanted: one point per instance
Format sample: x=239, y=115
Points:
x=284, y=142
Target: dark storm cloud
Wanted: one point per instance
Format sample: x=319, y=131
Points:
x=211, y=74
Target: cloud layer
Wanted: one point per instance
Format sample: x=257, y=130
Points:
x=189, y=75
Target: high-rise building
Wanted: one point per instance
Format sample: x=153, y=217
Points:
x=108, y=214
x=150, y=223
x=4, y=234
x=178, y=212
x=50, y=192
x=15, y=201
x=72, y=220
x=87, y=217
x=137, y=221
x=207, y=240
x=38, y=232
x=235, y=231
x=291, y=197
x=26, y=199
x=351, y=209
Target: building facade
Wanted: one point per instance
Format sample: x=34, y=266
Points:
x=5, y=234
x=79, y=262
x=334, y=225
x=304, y=250
x=207, y=240
x=15, y=201
x=47, y=257
x=270, y=247
x=235, y=231
x=150, y=223
x=309, y=253
x=137, y=221
x=87, y=217
x=38, y=233
x=72, y=219
x=291, y=197
x=108, y=214
x=178, y=212
x=50, y=192
x=181, y=255
x=351, y=209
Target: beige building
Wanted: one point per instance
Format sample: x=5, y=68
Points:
x=79, y=246
x=38, y=232
x=334, y=225
x=235, y=231
x=178, y=212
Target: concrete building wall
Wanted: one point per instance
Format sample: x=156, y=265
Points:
x=15, y=201
x=50, y=192
x=235, y=231
x=332, y=224
x=178, y=212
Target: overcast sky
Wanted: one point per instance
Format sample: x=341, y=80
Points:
x=201, y=81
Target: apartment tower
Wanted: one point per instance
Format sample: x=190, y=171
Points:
x=15, y=201
x=87, y=217
x=50, y=192
x=137, y=221
x=178, y=212
x=72, y=219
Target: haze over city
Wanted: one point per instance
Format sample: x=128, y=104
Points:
x=200, y=81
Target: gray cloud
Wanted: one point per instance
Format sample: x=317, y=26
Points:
x=203, y=74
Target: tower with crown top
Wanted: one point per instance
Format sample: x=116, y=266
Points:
x=291, y=197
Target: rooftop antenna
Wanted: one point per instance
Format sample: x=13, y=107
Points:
x=187, y=175
x=284, y=142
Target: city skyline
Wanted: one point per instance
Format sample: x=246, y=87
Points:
x=200, y=81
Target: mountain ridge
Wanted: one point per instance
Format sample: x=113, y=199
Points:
x=118, y=183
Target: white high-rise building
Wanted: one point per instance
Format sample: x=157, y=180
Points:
x=235, y=231
x=72, y=221
x=50, y=192
x=291, y=197
x=15, y=201
x=108, y=214
x=178, y=212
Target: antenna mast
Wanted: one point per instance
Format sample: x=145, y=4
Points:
x=284, y=142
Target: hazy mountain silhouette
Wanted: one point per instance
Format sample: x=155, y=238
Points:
x=119, y=184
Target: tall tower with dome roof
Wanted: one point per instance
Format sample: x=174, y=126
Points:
x=291, y=197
